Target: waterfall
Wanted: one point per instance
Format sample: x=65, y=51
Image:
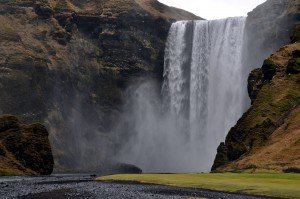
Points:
x=203, y=93
x=204, y=78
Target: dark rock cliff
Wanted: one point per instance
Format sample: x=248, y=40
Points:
x=24, y=149
x=268, y=134
x=67, y=62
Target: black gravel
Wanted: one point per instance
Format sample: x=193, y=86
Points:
x=83, y=186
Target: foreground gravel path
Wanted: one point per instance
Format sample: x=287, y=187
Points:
x=83, y=186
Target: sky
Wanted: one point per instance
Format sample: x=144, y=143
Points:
x=215, y=9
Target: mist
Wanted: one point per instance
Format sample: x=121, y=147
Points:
x=154, y=139
x=178, y=127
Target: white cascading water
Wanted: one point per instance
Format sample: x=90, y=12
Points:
x=203, y=92
x=212, y=83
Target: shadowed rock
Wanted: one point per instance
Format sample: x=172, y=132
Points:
x=24, y=149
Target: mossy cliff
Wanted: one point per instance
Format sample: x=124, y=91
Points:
x=66, y=64
x=24, y=149
x=267, y=137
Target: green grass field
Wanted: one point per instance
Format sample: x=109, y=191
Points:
x=268, y=184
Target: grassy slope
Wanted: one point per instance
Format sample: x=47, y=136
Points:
x=275, y=185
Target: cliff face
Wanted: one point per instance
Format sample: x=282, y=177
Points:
x=67, y=62
x=268, y=134
x=268, y=27
x=24, y=149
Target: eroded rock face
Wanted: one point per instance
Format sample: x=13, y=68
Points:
x=24, y=149
x=66, y=63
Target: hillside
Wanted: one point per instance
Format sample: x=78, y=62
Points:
x=267, y=137
x=66, y=64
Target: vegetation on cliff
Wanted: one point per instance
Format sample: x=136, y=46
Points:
x=267, y=136
x=24, y=149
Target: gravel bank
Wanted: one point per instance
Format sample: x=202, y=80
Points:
x=84, y=186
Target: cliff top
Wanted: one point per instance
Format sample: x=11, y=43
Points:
x=111, y=8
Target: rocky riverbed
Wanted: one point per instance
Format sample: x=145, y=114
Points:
x=84, y=186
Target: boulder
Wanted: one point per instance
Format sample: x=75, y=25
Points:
x=121, y=168
x=24, y=149
x=127, y=169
